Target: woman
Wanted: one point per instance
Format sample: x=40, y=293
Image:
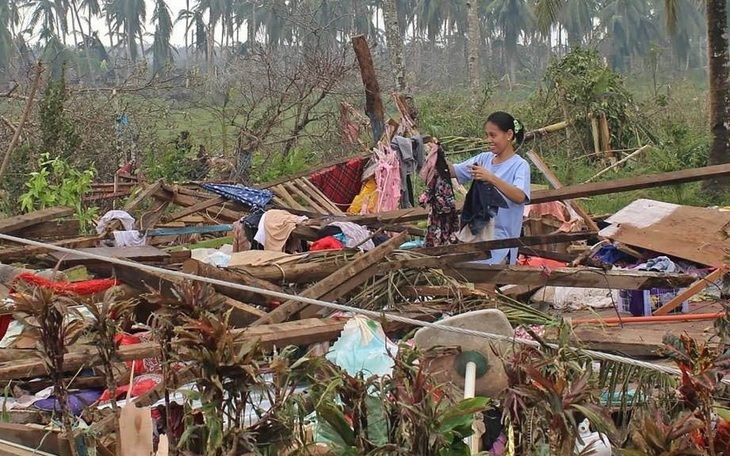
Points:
x=507, y=172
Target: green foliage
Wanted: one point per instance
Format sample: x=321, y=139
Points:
x=59, y=136
x=405, y=413
x=57, y=183
x=587, y=88
x=278, y=165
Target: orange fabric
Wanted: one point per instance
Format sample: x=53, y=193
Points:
x=278, y=226
x=556, y=209
x=538, y=261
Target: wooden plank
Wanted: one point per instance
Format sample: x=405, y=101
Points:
x=333, y=281
x=19, y=222
x=201, y=206
x=295, y=192
x=143, y=193
x=30, y=251
x=568, y=277
x=698, y=286
x=52, y=230
x=505, y=243
x=631, y=183
x=632, y=342
x=144, y=253
x=150, y=218
x=178, y=231
x=221, y=211
x=206, y=270
x=300, y=332
x=30, y=437
x=567, y=192
x=304, y=194
x=282, y=192
x=555, y=182
x=316, y=193
x=242, y=314
x=693, y=233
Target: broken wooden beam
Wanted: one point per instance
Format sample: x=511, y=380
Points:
x=568, y=277
x=19, y=222
x=555, y=182
x=201, y=269
x=344, y=277
x=698, y=286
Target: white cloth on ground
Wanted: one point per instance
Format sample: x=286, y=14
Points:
x=131, y=238
x=123, y=216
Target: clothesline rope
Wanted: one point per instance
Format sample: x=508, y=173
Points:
x=343, y=308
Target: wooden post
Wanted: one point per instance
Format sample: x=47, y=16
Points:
x=596, y=132
x=206, y=270
x=606, y=138
x=373, y=101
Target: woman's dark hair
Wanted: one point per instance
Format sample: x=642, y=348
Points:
x=505, y=122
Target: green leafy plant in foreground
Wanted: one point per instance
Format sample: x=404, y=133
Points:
x=57, y=183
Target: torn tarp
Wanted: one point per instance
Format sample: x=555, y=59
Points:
x=251, y=197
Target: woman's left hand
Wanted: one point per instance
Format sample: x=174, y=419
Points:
x=481, y=174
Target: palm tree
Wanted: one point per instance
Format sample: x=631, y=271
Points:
x=511, y=19
x=9, y=19
x=161, y=49
x=127, y=18
x=395, y=48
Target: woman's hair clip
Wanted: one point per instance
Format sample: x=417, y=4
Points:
x=518, y=126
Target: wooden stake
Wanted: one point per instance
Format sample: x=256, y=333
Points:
x=623, y=160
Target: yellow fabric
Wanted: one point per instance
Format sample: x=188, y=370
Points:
x=367, y=197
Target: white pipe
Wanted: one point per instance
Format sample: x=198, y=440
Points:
x=470, y=380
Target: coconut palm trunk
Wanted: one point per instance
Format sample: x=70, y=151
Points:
x=395, y=45
x=472, y=7
x=719, y=71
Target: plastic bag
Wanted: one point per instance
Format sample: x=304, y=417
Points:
x=363, y=347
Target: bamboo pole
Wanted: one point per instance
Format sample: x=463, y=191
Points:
x=623, y=160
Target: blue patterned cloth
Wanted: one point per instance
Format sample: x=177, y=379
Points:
x=251, y=197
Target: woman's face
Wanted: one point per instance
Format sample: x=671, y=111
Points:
x=499, y=140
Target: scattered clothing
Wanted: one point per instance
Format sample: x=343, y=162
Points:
x=410, y=156
x=443, y=221
x=77, y=401
x=131, y=238
x=467, y=235
x=250, y=227
x=140, y=385
x=329, y=230
x=340, y=183
x=356, y=235
x=508, y=221
x=249, y=197
x=275, y=227
x=387, y=177
x=326, y=243
x=365, y=202
x=481, y=206
x=659, y=264
x=612, y=255
x=123, y=216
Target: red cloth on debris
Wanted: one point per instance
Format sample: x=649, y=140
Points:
x=84, y=288
x=539, y=261
x=326, y=243
x=341, y=183
x=141, y=366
